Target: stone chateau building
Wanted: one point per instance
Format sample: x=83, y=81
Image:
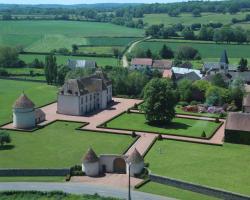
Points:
x=84, y=95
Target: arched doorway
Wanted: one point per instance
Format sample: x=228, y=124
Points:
x=119, y=166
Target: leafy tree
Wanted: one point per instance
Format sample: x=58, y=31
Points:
x=4, y=138
x=199, y=89
x=166, y=52
x=7, y=16
x=37, y=64
x=217, y=96
x=237, y=91
x=74, y=48
x=243, y=65
x=186, y=53
x=196, y=12
x=188, y=34
x=61, y=74
x=148, y=53
x=217, y=80
x=217, y=36
x=159, y=101
x=9, y=57
x=50, y=69
x=185, y=90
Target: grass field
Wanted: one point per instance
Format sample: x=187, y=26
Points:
x=44, y=36
x=24, y=195
x=168, y=191
x=25, y=70
x=33, y=179
x=209, y=51
x=100, y=49
x=225, y=167
x=178, y=126
x=62, y=60
x=188, y=19
x=10, y=90
x=58, y=145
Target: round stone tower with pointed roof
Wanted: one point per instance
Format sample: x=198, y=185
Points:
x=91, y=165
x=136, y=162
x=24, y=113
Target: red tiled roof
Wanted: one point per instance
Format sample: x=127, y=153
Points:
x=163, y=64
x=167, y=73
x=142, y=61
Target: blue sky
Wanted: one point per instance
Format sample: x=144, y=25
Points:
x=82, y=1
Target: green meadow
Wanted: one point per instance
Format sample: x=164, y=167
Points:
x=225, y=167
x=39, y=93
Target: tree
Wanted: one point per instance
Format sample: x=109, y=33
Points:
x=4, y=138
x=185, y=90
x=203, y=34
x=216, y=96
x=148, y=53
x=7, y=17
x=217, y=36
x=159, y=101
x=74, y=48
x=186, y=53
x=166, y=52
x=50, y=69
x=237, y=91
x=61, y=74
x=199, y=89
x=243, y=65
x=188, y=34
x=196, y=12
x=217, y=80
x=9, y=57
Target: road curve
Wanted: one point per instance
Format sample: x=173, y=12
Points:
x=79, y=188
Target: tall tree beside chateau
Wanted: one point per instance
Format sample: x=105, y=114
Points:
x=159, y=101
x=50, y=69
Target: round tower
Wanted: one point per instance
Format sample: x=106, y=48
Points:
x=24, y=113
x=136, y=162
x=91, y=164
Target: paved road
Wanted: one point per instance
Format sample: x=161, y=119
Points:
x=79, y=188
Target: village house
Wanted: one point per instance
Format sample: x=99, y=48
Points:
x=25, y=116
x=162, y=65
x=84, y=95
x=141, y=63
x=73, y=64
x=93, y=165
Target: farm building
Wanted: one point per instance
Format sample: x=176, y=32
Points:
x=81, y=64
x=162, y=64
x=84, y=95
x=25, y=116
x=141, y=63
x=94, y=165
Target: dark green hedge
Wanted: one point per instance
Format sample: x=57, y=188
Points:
x=238, y=137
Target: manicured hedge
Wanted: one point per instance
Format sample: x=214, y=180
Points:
x=238, y=137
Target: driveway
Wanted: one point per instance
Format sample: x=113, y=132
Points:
x=79, y=188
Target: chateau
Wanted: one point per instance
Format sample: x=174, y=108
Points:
x=84, y=95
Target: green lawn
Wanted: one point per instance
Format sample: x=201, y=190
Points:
x=188, y=19
x=109, y=41
x=226, y=167
x=39, y=93
x=100, y=49
x=62, y=60
x=33, y=179
x=44, y=36
x=58, y=145
x=24, y=195
x=207, y=50
x=173, y=192
x=25, y=70
x=178, y=126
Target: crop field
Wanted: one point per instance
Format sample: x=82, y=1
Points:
x=44, y=36
x=100, y=49
x=214, y=166
x=58, y=138
x=24, y=70
x=188, y=19
x=39, y=93
x=62, y=60
x=207, y=50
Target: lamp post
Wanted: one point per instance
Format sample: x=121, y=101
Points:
x=129, y=191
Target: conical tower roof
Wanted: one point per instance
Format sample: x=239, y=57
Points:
x=224, y=58
x=23, y=102
x=90, y=156
x=135, y=157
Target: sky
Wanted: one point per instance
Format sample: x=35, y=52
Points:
x=83, y=1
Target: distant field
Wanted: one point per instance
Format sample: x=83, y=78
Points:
x=10, y=90
x=188, y=18
x=100, y=49
x=109, y=41
x=62, y=60
x=206, y=49
x=25, y=70
x=44, y=36
x=225, y=167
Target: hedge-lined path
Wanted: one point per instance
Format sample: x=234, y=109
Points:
x=80, y=188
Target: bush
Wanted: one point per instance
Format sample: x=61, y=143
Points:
x=76, y=171
x=183, y=103
x=203, y=134
x=67, y=178
x=160, y=137
x=217, y=120
x=193, y=103
x=4, y=138
x=3, y=72
x=133, y=134
x=136, y=106
x=128, y=111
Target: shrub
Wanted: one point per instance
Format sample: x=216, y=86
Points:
x=217, y=120
x=76, y=171
x=136, y=106
x=183, y=103
x=67, y=178
x=203, y=134
x=105, y=125
x=133, y=134
x=194, y=103
x=160, y=137
x=128, y=111
x=4, y=138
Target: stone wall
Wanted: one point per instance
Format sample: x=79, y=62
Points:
x=198, y=188
x=34, y=172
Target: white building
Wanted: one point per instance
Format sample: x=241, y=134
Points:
x=93, y=165
x=84, y=95
x=81, y=64
x=25, y=116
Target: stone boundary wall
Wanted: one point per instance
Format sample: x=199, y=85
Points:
x=34, y=172
x=222, y=194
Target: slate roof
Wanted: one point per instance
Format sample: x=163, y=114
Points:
x=180, y=70
x=23, y=102
x=226, y=77
x=246, y=100
x=189, y=76
x=39, y=113
x=81, y=86
x=224, y=58
x=238, y=121
x=135, y=157
x=81, y=64
x=245, y=76
x=142, y=61
x=162, y=64
x=90, y=156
